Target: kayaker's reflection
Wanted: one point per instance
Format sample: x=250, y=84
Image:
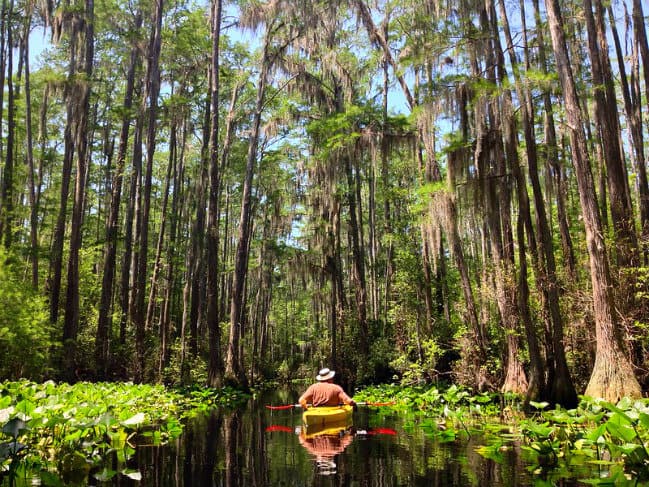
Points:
x=325, y=447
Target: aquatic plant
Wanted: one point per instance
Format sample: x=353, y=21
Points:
x=68, y=431
x=608, y=442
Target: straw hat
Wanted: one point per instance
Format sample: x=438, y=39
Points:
x=325, y=374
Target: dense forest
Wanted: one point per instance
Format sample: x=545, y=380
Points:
x=229, y=192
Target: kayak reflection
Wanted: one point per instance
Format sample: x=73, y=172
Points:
x=326, y=444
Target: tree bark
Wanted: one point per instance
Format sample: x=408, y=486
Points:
x=640, y=38
x=215, y=366
x=3, y=64
x=607, y=122
x=560, y=387
x=234, y=370
x=32, y=175
x=152, y=91
x=104, y=322
x=634, y=120
x=81, y=102
x=7, y=198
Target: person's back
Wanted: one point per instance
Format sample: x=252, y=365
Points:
x=325, y=392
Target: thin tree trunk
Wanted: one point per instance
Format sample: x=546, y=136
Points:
x=215, y=366
x=640, y=38
x=104, y=322
x=130, y=229
x=196, y=254
x=560, y=387
x=165, y=316
x=32, y=176
x=607, y=122
x=233, y=366
x=634, y=121
x=3, y=64
x=153, y=285
x=56, y=266
x=81, y=102
x=389, y=251
x=42, y=139
x=358, y=273
x=7, y=209
x=152, y=90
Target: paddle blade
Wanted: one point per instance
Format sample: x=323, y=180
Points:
x=287, y=406
x=382, y=431
x=391, y=403
x=279, y=427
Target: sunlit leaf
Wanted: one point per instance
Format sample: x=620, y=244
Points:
x=133, y=475
x=134, y=420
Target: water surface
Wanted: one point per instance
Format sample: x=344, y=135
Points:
x=254, y=446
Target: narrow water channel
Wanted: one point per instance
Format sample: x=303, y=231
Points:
x=254, y=446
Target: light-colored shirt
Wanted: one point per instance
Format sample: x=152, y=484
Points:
x=325, y=394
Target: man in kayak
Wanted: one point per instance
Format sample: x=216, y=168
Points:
x=325, y=392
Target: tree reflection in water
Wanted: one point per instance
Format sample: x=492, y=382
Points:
x=255, y=447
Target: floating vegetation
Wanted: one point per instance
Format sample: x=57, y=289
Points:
x=67, y=432
x=598, y=442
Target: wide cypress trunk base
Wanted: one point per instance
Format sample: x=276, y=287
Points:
x=612, y=379
x=515, y=379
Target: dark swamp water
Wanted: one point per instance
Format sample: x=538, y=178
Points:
x=254, y=446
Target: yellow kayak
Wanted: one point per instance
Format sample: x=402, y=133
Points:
x=319, y=418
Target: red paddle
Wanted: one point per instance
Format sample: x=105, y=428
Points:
x=287, y=406
x=279, y=427
x=381, y=431
x=291, y=406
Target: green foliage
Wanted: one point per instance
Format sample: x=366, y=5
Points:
x=418, y=371
x=596, y=433
x=194, y=372
x=603, y=443
x=25, y=333
x=65, y=430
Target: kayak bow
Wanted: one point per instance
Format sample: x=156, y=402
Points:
x=318, y=417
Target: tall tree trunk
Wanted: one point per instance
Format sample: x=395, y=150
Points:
x=385, y=174
x=640, y=38
x=607, y=122
x=7, y=198
x=560, y=387
x=104, y=322
x=56, y=261
x=153, y=285
x=634, y=120
x=502, y=239
x=130, y=228
x=32, y=175
x=152, y=89
x=196, y=254
x=215, y=367
x=4, y=27
x=81, y=102
x=157, y=260
x=178, y=196
x=612, y=376
x=552, y=157
x=358, y=273
x=234, y=362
